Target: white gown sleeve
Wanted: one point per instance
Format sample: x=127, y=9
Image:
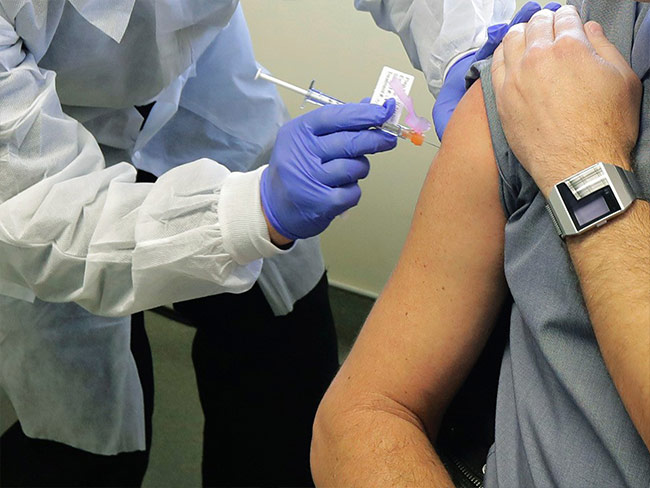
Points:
x=437, y=32
x=72, y=230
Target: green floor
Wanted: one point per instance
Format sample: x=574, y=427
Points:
x=177, y=423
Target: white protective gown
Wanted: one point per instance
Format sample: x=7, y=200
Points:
x=436, y=33
x=79, y=238
x=84, y=238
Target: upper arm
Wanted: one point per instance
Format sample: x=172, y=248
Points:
x=435, y=314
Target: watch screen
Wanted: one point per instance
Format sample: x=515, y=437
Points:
x=591, y=208
x=591, y=211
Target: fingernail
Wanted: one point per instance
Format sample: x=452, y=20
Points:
x=595, y=28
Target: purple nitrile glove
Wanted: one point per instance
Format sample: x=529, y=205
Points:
x=453, y=88
x=316, y=163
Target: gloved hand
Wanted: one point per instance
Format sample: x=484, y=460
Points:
x=316, y=163
x=453, y=88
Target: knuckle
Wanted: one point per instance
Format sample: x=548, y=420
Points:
x=515, y=32
x=535, y=54
x=353, y=144
x=338, y=200
x=567, y=23
x=318, y=150
x=533, y=64
x=567, y=45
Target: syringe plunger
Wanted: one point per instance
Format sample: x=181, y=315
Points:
x=318, y=98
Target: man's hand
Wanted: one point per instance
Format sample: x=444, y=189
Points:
x=454, y=88
x=566, y=97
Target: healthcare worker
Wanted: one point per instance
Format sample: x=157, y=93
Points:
x=436, y=34
x=444, y=38
x=82, y=246
x=77, y=238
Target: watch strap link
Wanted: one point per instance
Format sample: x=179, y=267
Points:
x=634, y=184
x=556, y=224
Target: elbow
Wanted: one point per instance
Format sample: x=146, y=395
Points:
x=325, y=434
x=352, y=424
x=339, y=422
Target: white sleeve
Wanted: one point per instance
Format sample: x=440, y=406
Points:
x=73, y=230
x=436, y=32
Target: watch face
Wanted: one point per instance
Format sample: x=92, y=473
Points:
x=591, y=208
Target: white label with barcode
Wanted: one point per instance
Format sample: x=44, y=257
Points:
x=383, y=90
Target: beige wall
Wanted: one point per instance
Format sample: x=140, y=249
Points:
x=328, y=40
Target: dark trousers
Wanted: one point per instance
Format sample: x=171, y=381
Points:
x=260, y=380
x=35, y=462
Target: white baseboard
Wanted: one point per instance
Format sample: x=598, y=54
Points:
x=354, y=289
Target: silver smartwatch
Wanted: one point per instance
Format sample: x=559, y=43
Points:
x=591, y=197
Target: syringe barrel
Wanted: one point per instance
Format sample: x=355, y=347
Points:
x=320, y=99
x=397, y=130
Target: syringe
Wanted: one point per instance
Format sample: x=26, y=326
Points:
x=319, y=98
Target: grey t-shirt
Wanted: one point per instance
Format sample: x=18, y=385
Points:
x=560, y=421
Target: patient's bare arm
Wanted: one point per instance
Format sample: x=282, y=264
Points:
x=375, y=423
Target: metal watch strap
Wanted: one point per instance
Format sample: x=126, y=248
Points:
x=556, y=224
x=634, y=183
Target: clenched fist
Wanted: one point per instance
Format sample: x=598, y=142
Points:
x=566, y=97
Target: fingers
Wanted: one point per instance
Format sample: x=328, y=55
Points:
x=498, y=69
x=569, y=24
x=604, y=48
x=514, y=45
x=341, y=172
x=348, y=117
x=353, y=144
x=343, y=198
x=540, y=31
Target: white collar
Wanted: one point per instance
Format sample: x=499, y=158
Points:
x=110, y=16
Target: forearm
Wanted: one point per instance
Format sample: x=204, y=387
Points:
x=613, y=265
x=72, y=230
x=379, y=444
